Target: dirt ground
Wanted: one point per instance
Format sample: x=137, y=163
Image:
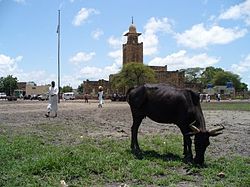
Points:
x=77, y=119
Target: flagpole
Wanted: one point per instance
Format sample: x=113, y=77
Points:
x=58, y=57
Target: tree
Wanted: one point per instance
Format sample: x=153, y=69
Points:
x=67, y=89
x=80, y=88
x=9, y=84
x=133, y=74
x=243, y=87
x=215, y=76
x=208, y=75
x=1, y=84
x=192, y=75
x=222, y=77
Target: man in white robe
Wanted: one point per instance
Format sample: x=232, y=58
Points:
x=52, y=106
x=100, y=96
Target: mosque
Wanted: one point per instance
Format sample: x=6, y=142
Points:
x=133, y=52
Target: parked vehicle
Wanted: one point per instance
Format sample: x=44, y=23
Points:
x=43, y=97
x=3, y=95
x=68, y=96
x=19, y=93
x=11, y=98
x=27, y=97
x=118, y=97
x=34, y=97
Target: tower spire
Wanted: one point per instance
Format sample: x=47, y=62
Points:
x=132, y=20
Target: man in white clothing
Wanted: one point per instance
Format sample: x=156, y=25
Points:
x=100, y=96
x=52, y=106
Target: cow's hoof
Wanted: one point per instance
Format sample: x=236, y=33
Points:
x=137, y=154
x=200, y=165
x=188, y=160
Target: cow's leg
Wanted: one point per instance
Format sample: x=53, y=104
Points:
x=134, y=133
x=188, y=156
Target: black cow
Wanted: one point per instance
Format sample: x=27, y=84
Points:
x=165, y=104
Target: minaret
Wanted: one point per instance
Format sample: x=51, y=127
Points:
x=132, y=50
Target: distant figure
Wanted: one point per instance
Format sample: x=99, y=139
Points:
x=218, y=97
x=201, y=97
x=207, y=98
x=52, y=106
x=100, y=96
x=86, y=97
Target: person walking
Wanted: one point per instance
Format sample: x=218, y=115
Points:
x=218, y=97
x=52, y=106
x=100, y=96
x=86, y=97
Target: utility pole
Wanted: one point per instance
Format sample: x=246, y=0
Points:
x=58, y=57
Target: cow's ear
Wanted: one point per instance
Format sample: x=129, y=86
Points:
x=195, y=97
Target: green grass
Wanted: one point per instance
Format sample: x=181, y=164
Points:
x=31, y=161
x=239, y=106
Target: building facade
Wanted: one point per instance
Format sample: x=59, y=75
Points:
x=91, y=87
x=174, y=78
x=30, y=88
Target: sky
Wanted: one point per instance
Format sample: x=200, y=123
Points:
x=179, y=34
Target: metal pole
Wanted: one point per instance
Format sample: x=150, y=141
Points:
x=58, y=57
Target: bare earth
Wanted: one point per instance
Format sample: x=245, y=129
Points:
x=77, y=119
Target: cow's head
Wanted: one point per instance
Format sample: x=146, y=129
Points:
x=201, y=142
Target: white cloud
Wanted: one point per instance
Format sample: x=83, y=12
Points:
x=96, y=34
x=95, y=73
x=83, y=15
x=116, y=42
x=181, y=60
x=240, y=11
x=81, y=57
x=8, y=65
x=242, y=67
x=40, y=77
x=117, y=56
x=201, y=37
x=90, y=73
x=150, y=38
x=73, y=81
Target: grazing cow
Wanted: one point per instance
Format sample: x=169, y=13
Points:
x=165, y=104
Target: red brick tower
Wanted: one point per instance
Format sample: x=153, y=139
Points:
x=132, y=50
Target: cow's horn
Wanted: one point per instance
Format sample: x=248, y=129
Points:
x=194, y=128
x=216, y=130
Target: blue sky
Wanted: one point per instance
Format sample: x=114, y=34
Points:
x=179, y=34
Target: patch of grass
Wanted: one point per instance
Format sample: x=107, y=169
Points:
x=238, y=106
x=30, y=161
x=235, y=172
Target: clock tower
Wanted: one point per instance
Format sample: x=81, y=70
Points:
x=132, y=50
